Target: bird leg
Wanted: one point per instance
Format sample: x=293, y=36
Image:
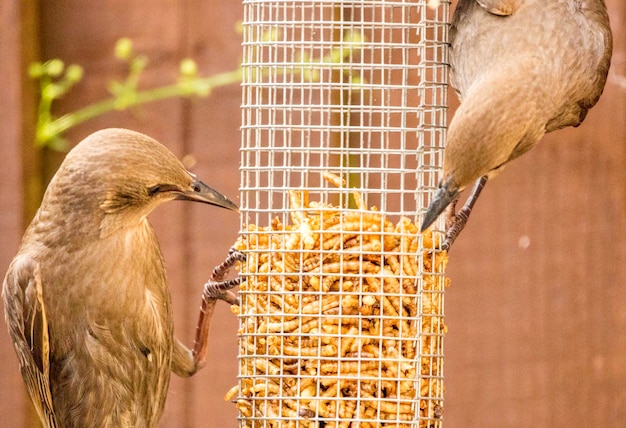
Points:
x=215, y=289
x=455, y=222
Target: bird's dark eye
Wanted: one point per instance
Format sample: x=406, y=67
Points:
x=154, y=190
x=195, y=187
x=162, y=188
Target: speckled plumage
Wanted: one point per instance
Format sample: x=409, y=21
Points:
x=86, y=298
x=522, y=68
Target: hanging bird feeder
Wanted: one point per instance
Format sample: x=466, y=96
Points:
x=341, y=306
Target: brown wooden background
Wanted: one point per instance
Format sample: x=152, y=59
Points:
x=537, y=307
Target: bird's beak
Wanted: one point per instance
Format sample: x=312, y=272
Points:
x=200, y=192
x=445, y=194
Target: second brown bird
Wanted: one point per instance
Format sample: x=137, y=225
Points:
x=522, y=68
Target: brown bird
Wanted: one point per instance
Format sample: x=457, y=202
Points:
x=521, y=68
x=86, y=298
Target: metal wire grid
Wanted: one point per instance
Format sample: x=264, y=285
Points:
x=356, y=89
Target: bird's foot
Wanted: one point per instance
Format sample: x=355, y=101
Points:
x=456, y=221
x=215, y=289
x=218, y=288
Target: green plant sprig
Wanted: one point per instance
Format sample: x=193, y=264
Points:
x=56, y=80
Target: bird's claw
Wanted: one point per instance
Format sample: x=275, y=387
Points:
x=454, y=227
x=221, y=291
x=218, y=288
x=456, y=221
x=220, y=271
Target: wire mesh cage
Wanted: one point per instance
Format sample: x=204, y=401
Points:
x=343, y=123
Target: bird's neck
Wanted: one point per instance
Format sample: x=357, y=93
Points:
x=111, y=224
x=491, y=126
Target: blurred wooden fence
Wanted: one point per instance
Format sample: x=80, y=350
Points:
x=537, y=307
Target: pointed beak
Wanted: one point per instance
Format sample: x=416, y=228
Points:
x=444, y=195
x=200, y=192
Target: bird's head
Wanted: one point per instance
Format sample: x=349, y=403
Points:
x=122, y=173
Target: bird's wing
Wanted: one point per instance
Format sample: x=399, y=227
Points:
x=501, y=7
x=28, y=326
x=601, y=44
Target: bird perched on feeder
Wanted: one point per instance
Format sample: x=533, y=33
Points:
x=521, y=68
x=86, y=298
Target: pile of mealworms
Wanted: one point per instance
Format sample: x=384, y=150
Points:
x=341, y=320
